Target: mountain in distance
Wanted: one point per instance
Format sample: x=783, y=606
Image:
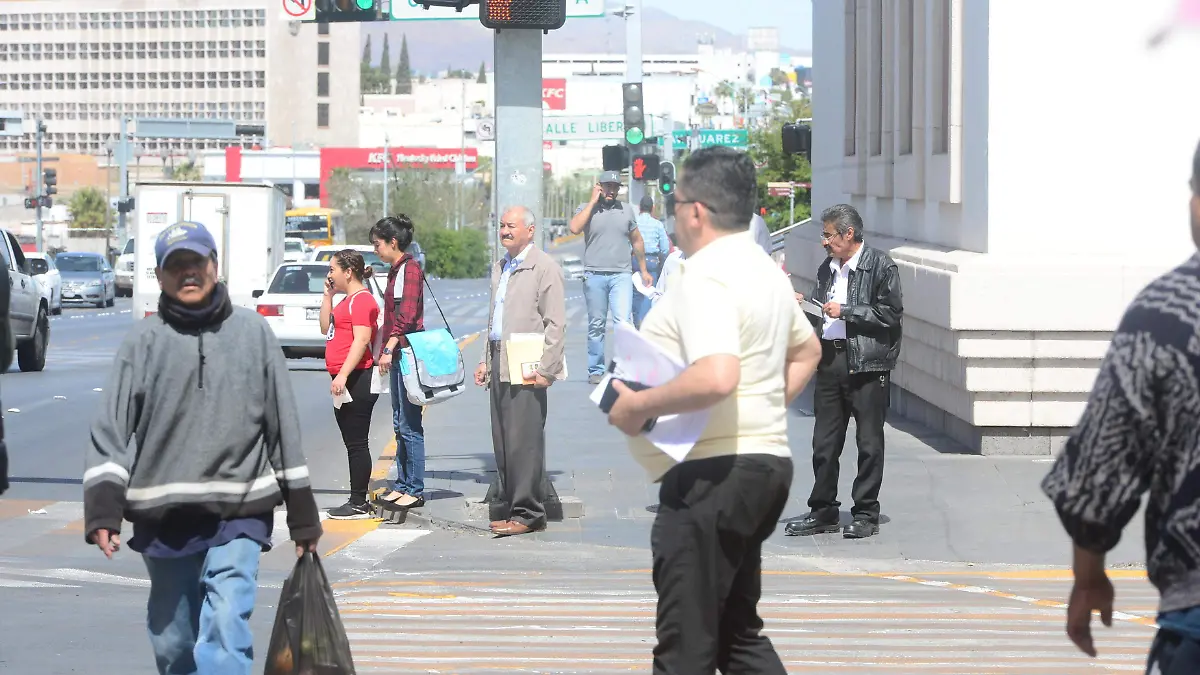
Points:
x=434, y=45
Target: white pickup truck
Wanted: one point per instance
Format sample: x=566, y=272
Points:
x=28, y=312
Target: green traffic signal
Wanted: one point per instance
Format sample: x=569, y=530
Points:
x=635, y=136
x=365, y=4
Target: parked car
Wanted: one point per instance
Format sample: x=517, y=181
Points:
x=42, y=267
x=418, y=254
x=124, y=270
x=572, y=267
x=292, y=306
x=28, y=312
x=324, y=253
x=87, y=279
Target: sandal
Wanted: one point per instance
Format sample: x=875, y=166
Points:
x=410, y=502
x=392, y=497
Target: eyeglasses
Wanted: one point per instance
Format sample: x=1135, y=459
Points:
x=696, y=201
x=828, y=236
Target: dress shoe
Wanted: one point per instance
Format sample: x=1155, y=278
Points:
x=861, y=528
x=813, y=523
x=497, y=523
x=409, y=502
x=512, y=528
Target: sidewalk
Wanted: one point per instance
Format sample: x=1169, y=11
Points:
x=938, y=505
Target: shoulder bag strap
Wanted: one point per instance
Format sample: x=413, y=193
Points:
x=425, y=284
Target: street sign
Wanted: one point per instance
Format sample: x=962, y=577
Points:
x=411, y=10
x=485, y=129
x=298, y=10
x=584, y=127
x=734, y=138
x=779, y=189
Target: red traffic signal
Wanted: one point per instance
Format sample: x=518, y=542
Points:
x=645, y=167
x=537, y=14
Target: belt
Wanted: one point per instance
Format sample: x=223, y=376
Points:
x=838, y=344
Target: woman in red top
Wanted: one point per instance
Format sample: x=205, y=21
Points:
x=350, y=330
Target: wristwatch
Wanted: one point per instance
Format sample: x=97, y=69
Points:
x=387, y=350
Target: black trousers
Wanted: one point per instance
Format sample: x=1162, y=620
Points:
x=713, y=517
x=354, y=421
x=838, y=396
x=519, y=441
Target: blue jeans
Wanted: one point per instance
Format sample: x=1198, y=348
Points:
x=410, y=439
x=199, y=610
x=605, y=291
x=641, y=303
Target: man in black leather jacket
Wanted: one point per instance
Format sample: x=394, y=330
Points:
x=858, y=289
x=6, y=356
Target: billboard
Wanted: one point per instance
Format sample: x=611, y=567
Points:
x=400, y=158
x=554, y=94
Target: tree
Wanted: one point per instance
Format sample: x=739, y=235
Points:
x=482, y=79
x=404, y=76
x=385, y=59
x=89, y=210
x=779, y=78
x=766, y=149
x=187, y=171
x=366, y=55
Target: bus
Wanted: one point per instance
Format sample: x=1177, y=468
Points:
x=316, y=225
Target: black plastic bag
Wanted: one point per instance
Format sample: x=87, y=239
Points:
x=308, y=637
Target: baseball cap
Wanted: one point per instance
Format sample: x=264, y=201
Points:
x=611, y=177
x=185, y=235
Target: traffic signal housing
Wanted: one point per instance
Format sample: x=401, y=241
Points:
x=50, y=181
x=645, y=167
x=347, y=11
x=634, y=115
x=666, y=178
x=797, y=139
x=615, y=157
x=535, y=14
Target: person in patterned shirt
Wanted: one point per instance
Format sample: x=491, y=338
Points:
x=1141, y=431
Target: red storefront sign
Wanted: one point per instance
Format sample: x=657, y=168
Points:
x=554, y=94
x=401, y=159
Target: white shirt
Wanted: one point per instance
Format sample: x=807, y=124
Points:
x=752, y=315
x=835, y=329
x=760, y=233
x=510, y=264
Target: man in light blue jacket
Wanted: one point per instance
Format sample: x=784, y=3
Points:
x=654, y=237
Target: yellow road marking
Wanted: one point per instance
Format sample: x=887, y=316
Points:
x=566, y=240
x=341, y=533
x=1012, y=575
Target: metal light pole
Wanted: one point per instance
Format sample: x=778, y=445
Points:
x=40, y=181
x=517, y=179
x=122, y=174
x=386, y=156
x=633, y=74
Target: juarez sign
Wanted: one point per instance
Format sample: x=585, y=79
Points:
x=734, y=138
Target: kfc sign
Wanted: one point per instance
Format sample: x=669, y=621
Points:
x=554, y=94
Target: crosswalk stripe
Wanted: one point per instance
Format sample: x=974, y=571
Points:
x=32, y=531
x=474, y=622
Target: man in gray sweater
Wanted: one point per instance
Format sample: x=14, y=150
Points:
x=202, y=388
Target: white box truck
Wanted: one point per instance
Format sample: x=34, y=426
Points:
x=245, y=219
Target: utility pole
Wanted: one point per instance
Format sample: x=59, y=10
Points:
x=633, y=75
x=37, y=213
x=122, y=176
x=460, y=166
x=387, y=155
x=517, y=180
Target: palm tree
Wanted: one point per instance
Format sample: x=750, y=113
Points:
x=724, y=91
x=187, y=172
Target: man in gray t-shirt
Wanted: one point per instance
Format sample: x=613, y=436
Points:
x=609, y=229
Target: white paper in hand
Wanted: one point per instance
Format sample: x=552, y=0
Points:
x=344, y=397
x=648, y=291
x=639, y=360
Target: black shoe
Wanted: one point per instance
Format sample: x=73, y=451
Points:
x=861, y=528
x=351, y=510
x=811, y=524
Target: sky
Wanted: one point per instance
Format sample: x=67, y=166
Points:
x=792, y=17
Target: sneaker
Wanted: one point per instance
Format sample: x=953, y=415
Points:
x=351, y=511
x=595, y=379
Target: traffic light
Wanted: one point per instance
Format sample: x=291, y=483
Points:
x=645, y=167
x=125, y=205
x=616, y=157
x=536, y=14
x=666, y=180
x=335, y=11
x=634, y=115
x=31, y=202
x=797, y=139
x=50, y=180
x=669, y=205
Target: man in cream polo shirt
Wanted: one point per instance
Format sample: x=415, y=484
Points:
x=732, y=317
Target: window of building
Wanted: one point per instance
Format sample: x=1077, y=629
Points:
x=323, y=84
x=323, y=115
x=876, y=78
x=322, y=53
x=322, y=29
x=906, y=39
x=940, y=56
